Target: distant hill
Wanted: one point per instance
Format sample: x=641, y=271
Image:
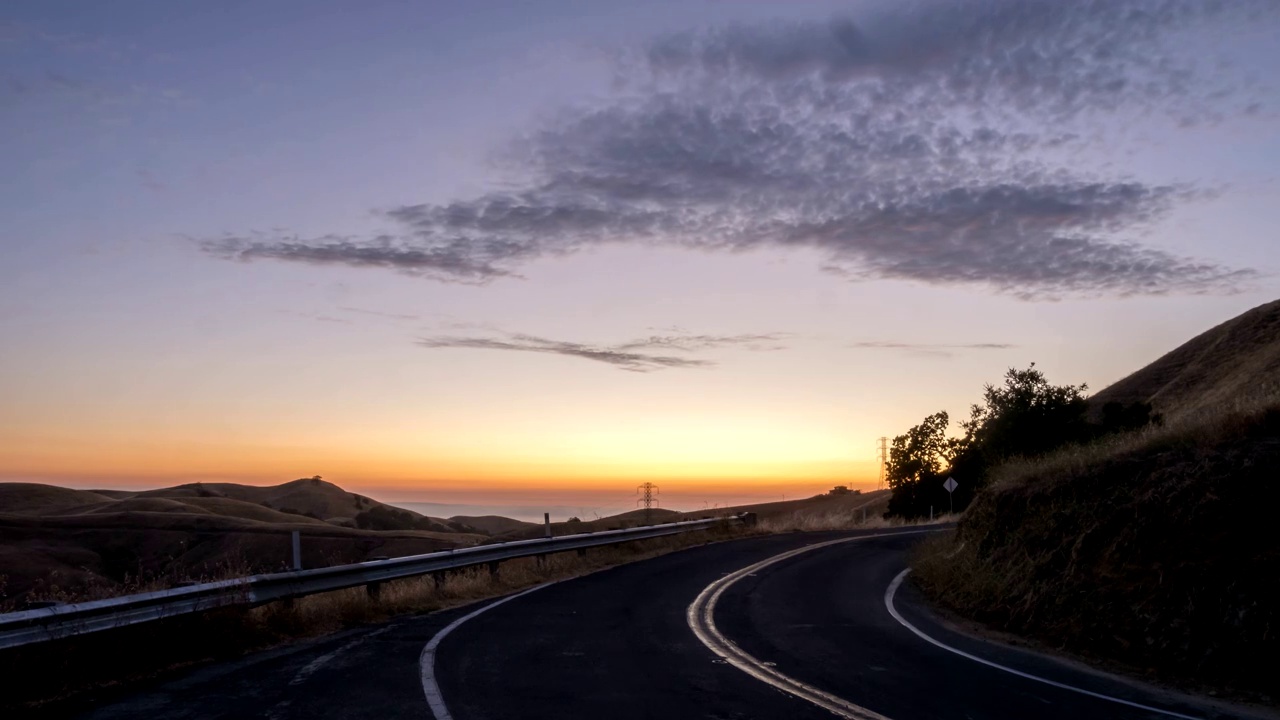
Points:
x=874, y=502
x=826, y=505
x=36, y=498
x=491, y=524
x=55, y=539
x=1236, y=361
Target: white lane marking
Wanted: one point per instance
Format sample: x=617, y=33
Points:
x=427, y=660
x=888, y=603
x=323, y=660
x=701, y=619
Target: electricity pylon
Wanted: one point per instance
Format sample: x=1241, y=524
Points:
x=882, y=454
x=647, y=492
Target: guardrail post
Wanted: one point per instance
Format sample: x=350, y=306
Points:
x=582, y=552
x=493, y=568
x=546, y=521
x=374, y=590
x=297, y=550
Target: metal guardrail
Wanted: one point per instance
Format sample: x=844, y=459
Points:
x=51, y=623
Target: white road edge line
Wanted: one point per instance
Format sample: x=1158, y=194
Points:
x=427, y=660
x=701, y=619
x=888, y=603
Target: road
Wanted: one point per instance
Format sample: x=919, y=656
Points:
x=623, y=644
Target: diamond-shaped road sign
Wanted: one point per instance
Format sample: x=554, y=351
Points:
x=950, y=484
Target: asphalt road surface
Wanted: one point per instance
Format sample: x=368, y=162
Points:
x=807, y=635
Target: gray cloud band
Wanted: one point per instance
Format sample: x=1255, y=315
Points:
x=626, y=356
x=909, y=147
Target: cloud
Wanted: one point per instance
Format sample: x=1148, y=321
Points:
x=1040, y=57
x=630, y=361
x=626, y=356
x=379, y=313
x=933, y=349
x=451, y=262
x=929, y=142
x=693, y=343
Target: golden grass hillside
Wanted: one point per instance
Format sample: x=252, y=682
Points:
x=1237, y=361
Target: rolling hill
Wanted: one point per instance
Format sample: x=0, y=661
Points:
x=58, y=542
x=491, y=524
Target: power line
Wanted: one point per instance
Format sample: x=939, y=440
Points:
x=647, y=492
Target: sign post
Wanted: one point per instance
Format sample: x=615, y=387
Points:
x=951, y=486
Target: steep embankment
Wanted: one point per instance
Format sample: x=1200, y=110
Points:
x=1155, y=550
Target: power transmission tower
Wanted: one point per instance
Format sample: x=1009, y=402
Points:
x=647, y=492
x=882, y=454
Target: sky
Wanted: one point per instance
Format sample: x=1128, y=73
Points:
x=541, y=252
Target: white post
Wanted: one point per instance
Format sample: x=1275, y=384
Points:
x=930, y=513
x=297, y=550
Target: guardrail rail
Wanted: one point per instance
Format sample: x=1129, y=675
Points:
x=51, y=623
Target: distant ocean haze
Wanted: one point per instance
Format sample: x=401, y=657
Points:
x=532, y=512
x=527, y=513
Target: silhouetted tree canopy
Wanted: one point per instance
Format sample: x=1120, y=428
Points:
x=1026, y=416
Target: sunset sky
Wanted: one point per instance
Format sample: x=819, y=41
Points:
x=543, y=251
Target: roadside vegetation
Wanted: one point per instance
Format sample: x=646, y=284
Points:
x=1150, y=551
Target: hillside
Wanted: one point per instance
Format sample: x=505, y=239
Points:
x=1236, y=361
x=55, y=541
x=820, y=510
x=1154, y=549
x=872, y=502
x=491, y=524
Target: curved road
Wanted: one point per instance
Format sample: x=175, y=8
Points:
x=812, y=627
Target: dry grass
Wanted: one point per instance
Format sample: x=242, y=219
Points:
x=867, y=515
x=1152, y=550
x=1238, y=359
